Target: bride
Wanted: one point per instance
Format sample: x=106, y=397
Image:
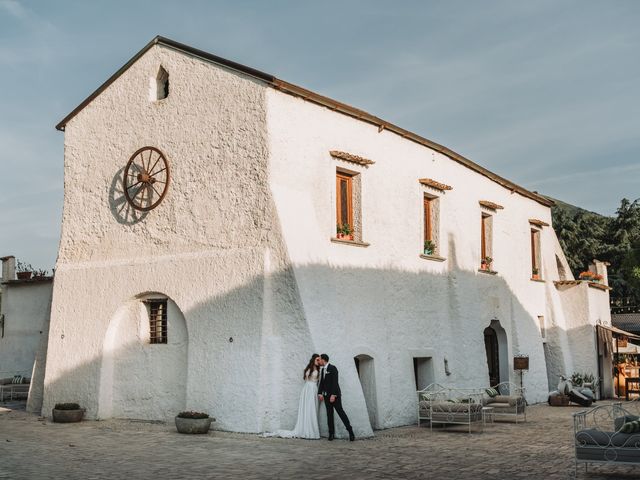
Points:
x=307, y=423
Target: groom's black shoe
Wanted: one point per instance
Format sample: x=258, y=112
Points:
x=331, y=436
x=352, y=437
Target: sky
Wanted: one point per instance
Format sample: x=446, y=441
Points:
x=544, y=93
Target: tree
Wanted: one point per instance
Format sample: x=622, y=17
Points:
x=586, y=235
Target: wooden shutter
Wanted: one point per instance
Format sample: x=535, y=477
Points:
x=428, y=230
x=483, y=237
x=344, y=199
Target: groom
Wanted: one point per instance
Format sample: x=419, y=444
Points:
x=329, y=391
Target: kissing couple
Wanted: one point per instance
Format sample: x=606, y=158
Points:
x=320, y=385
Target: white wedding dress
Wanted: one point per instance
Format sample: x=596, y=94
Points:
x=307, y=423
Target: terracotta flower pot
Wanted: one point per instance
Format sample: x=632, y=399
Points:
x=68, y=416
x=193, y=425
x=23, y=275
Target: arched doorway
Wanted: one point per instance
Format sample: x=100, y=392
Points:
x=493, y=355
x=495, y=344
x=144, y=363
x=366, y=374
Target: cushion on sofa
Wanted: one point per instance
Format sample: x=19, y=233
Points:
x=620, y=421
x=512, y=400
x=492, y=392
x=501, y=405
x=455, y=407
x=631, y=427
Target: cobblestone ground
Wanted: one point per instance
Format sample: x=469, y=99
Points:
x=34, y=448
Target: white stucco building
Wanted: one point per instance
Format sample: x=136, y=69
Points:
x=240, y=273
x=25, y=310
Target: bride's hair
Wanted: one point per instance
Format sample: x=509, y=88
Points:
x=311, y=366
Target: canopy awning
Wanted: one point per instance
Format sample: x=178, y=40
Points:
x=617, y=332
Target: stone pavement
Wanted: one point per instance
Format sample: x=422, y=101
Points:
x=34, y=448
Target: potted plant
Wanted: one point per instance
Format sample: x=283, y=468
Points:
x=485, y=263
x=598, y=278
x=39, y=273
x=587, y=276
x=67, y=413
x=429, y=247
x=339, y=233
x=23, y=270
x=193, y=422
x=535, y=273
x=347, y=233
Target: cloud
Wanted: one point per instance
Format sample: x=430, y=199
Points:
x=14, y=8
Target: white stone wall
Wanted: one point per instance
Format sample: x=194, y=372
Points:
x=212, y=246
x=385, y=299
x=26, y=308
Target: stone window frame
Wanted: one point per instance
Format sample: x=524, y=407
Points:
x=432, y=216
x=355, y=207
x=486, y=241
x=536, y=253
x=158, y=320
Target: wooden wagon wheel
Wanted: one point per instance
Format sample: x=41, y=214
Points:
x=146, y=179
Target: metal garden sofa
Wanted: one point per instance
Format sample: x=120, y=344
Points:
x=510, y=401
x=450, y=406
x=10, y=389
x=600, y=435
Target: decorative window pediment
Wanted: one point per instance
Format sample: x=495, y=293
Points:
x=429, y=182
x=348, y=157
x=490, y=205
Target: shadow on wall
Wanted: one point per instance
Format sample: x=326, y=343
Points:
x=243, y=355
x=120, y=208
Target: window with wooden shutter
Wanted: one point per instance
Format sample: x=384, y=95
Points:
x=430, y=219
x=536, y=274
x=344, y=206
x=486, y=230
x=428, y=230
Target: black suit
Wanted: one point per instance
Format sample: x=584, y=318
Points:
x=329, y=386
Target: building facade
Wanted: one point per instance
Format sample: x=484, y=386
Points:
x=25, y=310
x=289, y=224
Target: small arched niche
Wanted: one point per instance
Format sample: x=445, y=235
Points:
x=495, y=343
x=159, y=86
x=143, y=372
x=367, y=376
